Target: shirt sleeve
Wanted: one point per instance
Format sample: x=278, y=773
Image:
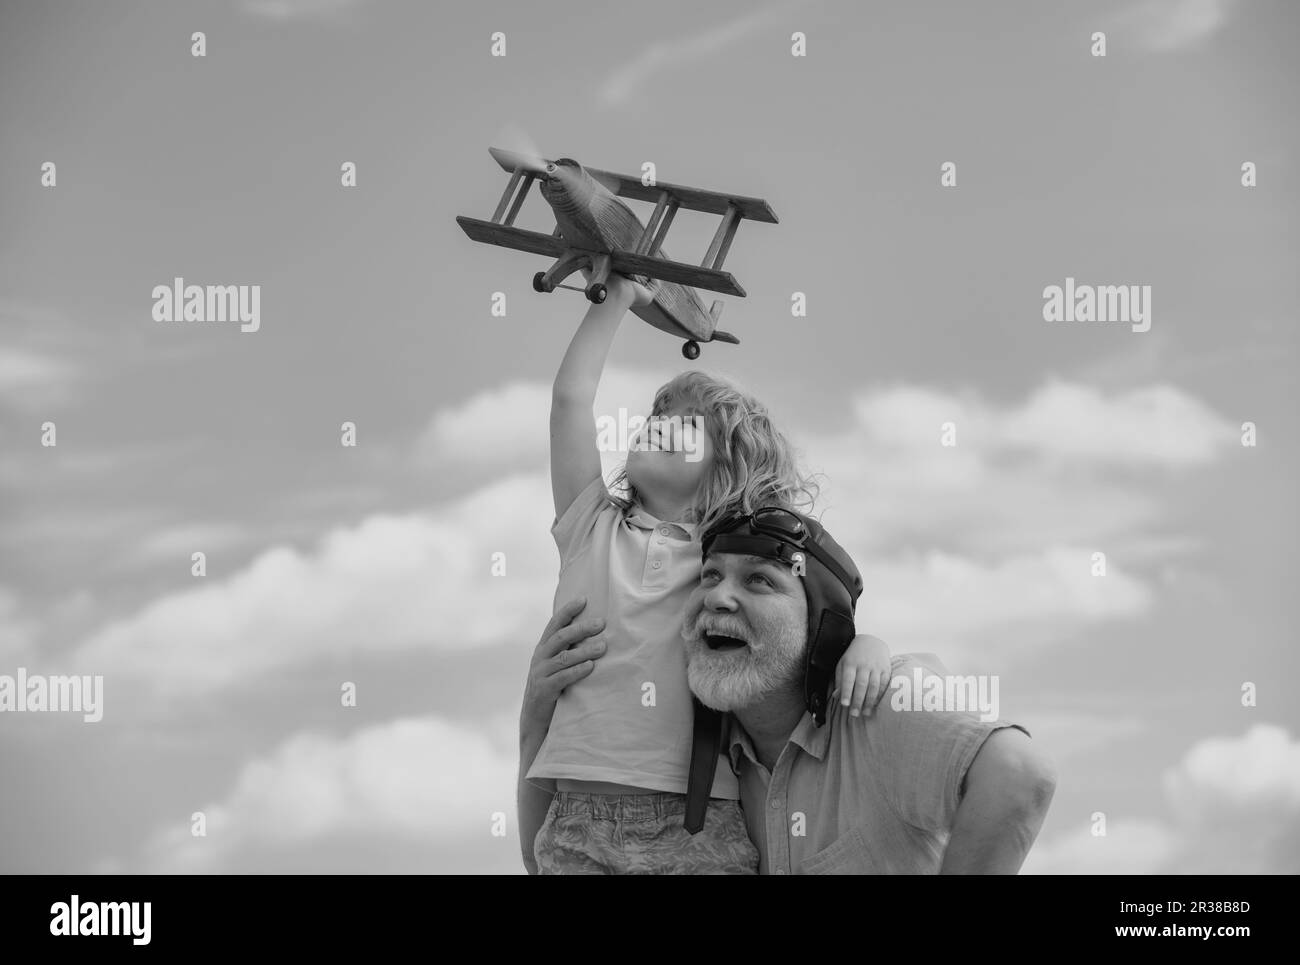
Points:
x=573, y=529
x=926, y=754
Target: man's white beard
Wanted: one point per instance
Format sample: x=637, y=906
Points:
x=734, y=679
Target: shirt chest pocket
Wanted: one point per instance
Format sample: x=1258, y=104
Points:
x=846, y=855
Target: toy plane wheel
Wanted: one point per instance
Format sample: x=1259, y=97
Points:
x=691, y=350
x=597, y=293
x=539, y=283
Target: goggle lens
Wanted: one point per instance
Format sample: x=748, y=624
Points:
x=779, y=522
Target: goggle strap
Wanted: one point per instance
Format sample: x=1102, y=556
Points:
x=768, y=547
x=775, y=548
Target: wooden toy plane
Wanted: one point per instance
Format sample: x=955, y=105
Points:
x=595, y=230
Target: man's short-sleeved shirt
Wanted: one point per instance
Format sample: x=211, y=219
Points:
x=630, y=720
x=861, y=795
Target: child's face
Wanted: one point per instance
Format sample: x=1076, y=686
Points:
x=671, y=455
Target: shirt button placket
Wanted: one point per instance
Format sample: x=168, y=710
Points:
x=778, y=828
x=779, y=795
x=652, y=575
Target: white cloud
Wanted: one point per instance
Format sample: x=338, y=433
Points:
x=17, y=631
x=389, y=583
x=34, y=640
x=421, y=779
x=177, y=543
x=1157, y=426
x=507, y=429
x=950, y=559
x=430, y=781
x=284, y=10
x=35, y=379
x=1060, y=468
x=1131, y=846
x=1165, y=25
x=959, y=544
x=496, y=428
x=73, y=530
x=1227, y=776
x=1235, y=806
x=133, y=459
x=21, y=369
x=952, y=604
x=1066, y=734
x=628, y=81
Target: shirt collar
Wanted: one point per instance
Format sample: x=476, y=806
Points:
x=739, y=744
x=812, y=739
x=639, y=517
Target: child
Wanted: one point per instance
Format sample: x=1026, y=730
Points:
x=618, y=747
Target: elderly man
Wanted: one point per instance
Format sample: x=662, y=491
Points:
x=904, y=791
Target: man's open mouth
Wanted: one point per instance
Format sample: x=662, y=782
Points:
x=717, y=642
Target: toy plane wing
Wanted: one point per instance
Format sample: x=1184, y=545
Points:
x=692, y=199
x=508, y=236
x=621, y=260
x=630, y=263
x=627, y=186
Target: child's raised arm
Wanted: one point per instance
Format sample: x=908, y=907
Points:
x=575, y=460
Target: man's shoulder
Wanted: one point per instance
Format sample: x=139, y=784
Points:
x=896, y=711
x=903, y=664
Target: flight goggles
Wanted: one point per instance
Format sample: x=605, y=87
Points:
x=774, y=533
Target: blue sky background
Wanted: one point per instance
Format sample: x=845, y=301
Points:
x=372, y=564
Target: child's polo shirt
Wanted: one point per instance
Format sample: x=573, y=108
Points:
x=630, y=720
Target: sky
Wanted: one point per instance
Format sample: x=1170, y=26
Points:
x=372, y=564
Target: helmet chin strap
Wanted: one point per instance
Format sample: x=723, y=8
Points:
x=834, y=634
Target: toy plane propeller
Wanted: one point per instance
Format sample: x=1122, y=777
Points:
x=597, y=231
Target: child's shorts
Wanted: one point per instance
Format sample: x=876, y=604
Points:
x=641, y=834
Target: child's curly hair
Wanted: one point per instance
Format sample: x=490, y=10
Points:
x=754, y=465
